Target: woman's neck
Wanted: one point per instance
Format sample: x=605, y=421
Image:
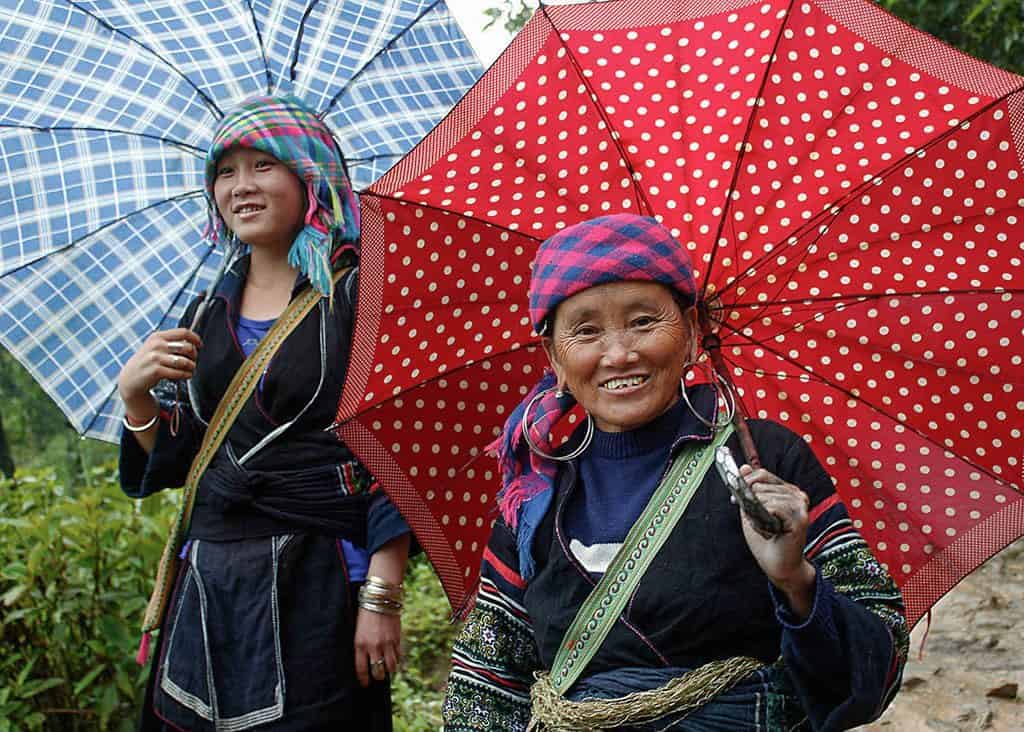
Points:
x=268, y=285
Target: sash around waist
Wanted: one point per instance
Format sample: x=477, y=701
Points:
x=235, y=503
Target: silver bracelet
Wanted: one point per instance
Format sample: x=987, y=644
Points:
x=139, y=428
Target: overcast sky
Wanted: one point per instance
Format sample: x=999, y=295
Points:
x=488, y=44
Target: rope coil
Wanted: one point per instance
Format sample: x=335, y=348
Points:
x=552, y=712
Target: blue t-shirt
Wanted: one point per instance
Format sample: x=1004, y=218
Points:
x=250, y=333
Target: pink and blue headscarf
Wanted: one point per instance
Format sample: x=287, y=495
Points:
x=616, y=248
x=283, y=127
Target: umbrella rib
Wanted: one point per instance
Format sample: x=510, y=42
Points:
x=181, y=290
x=880, y=296
x=855, y=299
x=298, y=39
x=907, y=357
x=380, y=52
x=642, y=201
x=878, y=410
x=372, y=158
x=373, y=194
x=263, y=48
x=209, y=102
x=112, y=222
x=73, y=128
x=840, y=204
x=743, y=147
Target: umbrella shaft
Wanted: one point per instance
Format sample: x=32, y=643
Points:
x=712, y=346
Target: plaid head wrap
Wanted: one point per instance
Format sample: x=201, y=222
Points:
x=616, y=248
x=283, y=127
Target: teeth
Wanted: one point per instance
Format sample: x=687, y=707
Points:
x=623, y=383
x=248, y=209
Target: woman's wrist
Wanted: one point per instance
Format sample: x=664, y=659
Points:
x=380, y=596
x=141, y=409
x=798, y=589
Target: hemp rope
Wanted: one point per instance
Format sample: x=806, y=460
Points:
x=551, y=712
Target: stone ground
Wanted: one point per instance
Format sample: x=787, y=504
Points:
x=971, y=673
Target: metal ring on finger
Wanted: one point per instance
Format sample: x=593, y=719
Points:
x=176, y=360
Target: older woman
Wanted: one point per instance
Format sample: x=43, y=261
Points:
x=723, y=625
x=284, y=612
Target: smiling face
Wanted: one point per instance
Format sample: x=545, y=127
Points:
x=620, y=349
x=260, y=199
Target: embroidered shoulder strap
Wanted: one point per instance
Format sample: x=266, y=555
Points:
x=608, y=599
x=231, y=404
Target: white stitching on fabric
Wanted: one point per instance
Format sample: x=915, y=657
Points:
x=197, y=705
x=194, y=703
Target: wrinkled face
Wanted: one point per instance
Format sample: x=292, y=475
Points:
x=260, y=199
x=620, y=349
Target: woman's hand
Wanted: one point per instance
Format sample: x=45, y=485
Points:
x=378, y=638
x=781, y=557
x=166, y=354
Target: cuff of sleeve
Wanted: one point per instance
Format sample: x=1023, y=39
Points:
x=139, y=469
x=385, y=523
x=820, y=620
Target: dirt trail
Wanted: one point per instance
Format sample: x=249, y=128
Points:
x=975, y=646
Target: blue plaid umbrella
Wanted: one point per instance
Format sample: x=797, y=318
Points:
x=106, y=112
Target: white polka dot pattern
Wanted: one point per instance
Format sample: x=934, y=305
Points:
x=850, y=190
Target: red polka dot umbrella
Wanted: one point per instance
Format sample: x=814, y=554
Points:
x=851, y=191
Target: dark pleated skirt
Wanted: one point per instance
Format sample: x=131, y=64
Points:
x=259, y=634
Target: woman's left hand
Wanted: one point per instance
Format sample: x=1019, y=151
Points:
x=781, y=557
x=378, y=638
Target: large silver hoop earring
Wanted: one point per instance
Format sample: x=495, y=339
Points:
x=559, y=458
x=729, y=396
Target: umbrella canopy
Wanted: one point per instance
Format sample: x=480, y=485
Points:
x=850, y=189
x=106, y=112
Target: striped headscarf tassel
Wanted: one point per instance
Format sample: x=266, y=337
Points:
x=311, y=250
x=528, y=478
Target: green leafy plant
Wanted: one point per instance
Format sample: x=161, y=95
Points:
x=992, y=30
x=512, y=14
x=418, y=690
x=74, y=575
x=76, y=568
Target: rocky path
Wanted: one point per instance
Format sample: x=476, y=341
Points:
x=971, y=675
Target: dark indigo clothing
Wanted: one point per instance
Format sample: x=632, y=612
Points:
x=703, y=598
x=732, y=614
x=288, y=626
x=620, y=470
x=260, y=630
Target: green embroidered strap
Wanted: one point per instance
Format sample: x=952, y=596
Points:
x=231, y=404
x=608, y=599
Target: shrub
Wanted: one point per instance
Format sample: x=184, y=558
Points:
x=75, y=572
x=76, y=569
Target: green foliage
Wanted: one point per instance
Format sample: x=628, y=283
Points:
x=38, y=433
x=417, y=691
x=76, y=568
x=513, y=14
x=992, y=30
x=75, y=572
